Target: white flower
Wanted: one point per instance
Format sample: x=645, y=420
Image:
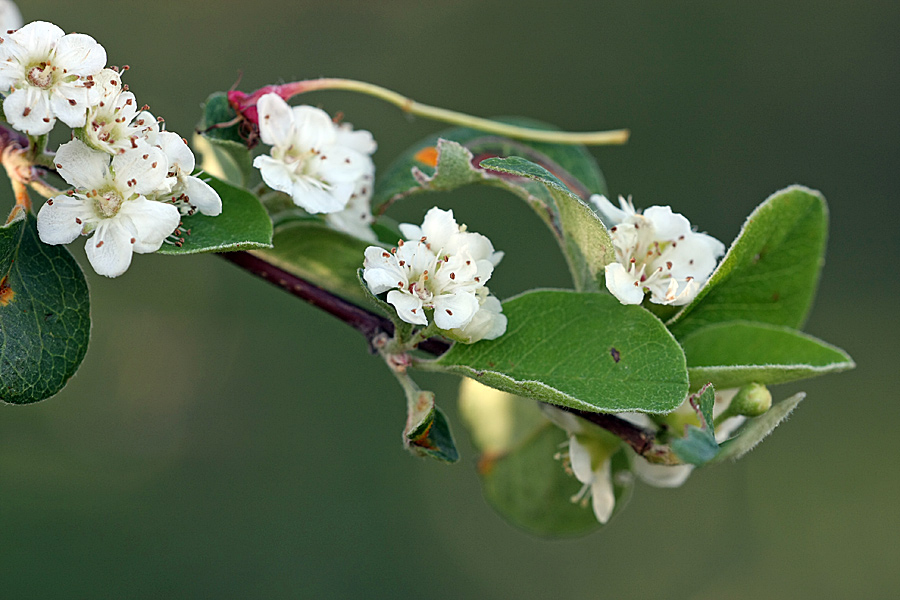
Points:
x=591, y=466
x=109, y=200
x=671, y=476
x=50, y=75
x=10, y=17
x=443, y=270
x=115, y=124
x=313, y=160
x=590, y=458
x=356, y=218
x=188, y=193
x=656, y=252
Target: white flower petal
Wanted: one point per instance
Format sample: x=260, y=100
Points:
x=70, y=103
x=203, y=196
x=603, y=499
x=37, y=38
x=28, y=110
x=10, y=17
x=153, y=222
x=667, y=225
x=80, y=54
x=359, y=140
x=276, y=121
x=109, y=250
x=452, y=311
x=313, y=128
x=662, y=476
x=177, y=151
x=409, y=307
x=606, y=207
x=140, y=171
x=621, y=284
x=82, y=166
x=61, y=219
x=580, y=459
x=275, y=173
x=314, y=199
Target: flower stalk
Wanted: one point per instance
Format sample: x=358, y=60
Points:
x=245, y=104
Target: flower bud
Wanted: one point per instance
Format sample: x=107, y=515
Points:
x=752, y=400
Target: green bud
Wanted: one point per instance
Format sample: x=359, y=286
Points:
x=751, y=400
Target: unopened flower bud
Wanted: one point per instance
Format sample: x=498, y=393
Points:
x=752, y=400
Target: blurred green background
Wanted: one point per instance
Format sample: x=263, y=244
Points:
x=224, y=440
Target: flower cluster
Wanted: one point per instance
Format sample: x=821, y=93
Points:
x=132, y=180
x=658, y=252
x=438, y=275
x=324, y=166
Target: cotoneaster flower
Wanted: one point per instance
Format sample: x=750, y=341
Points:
x=316, y=162
x=657, y=252
x=440, y=270
x=110, y=203
x=115, y=123
x=50, y=76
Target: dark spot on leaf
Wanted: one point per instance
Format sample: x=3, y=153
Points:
x=776, y=297
x=7, y=294
x=615, y=354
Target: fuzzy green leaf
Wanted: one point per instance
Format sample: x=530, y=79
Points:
x=699, y=446
x=44, y=314
x=737, y=353
x=771, y=271
x=432, y=438
x=243, y=224
x=582, y=350
x=757, y=429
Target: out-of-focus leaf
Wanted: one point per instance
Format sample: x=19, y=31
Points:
x=757, y=429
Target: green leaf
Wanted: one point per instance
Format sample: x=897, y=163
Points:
x=44, y=314
x=330, y=259
x=522, y=480
x=582, y=235
x=434, y=438
x=221, y=130
x=582, y=350
x=757, y=429
x=243, y=224
x=573, y=165
x=771, y=271
x=699, y=446
x=737, y=353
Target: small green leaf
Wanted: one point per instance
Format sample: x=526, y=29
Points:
x=583, y=237
x=44, y=314
x=522, y=480
x=221, y=129
x=771, y=271
x=243, y=224
x=573, y=165
x=433, y=438
x=737, y=353
x=327, y=258
x=699, y=446
x=582, y=350
x=757, y=429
